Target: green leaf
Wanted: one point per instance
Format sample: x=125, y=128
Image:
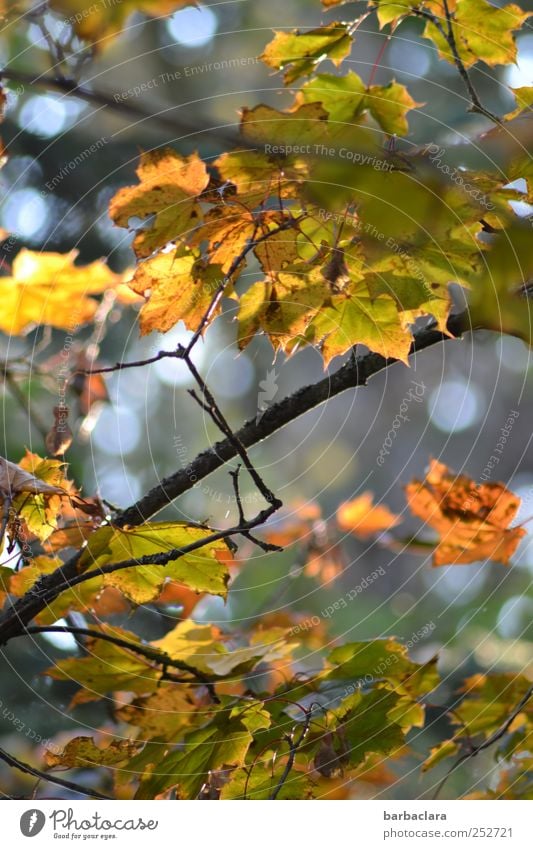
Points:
x=299, y=53
x=259, y=782
x=342, y=97
x=388, y=105
x=199, y=570
x=497, y=298
x=369, y=728
x=107, y=668
x=387, y=660
x=222, y=744
x=357, y=318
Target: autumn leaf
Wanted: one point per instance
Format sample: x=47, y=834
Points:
x=524, y=101
x=472, y=520
x=362, y=518
x=222, y=744
x=388, y=105
x=439, y=753
x=107, y=668
x=177, y=287
x=168, y=189
x=48, y=288
x=299, y=53
x=199, y=570
x=36, y=488
x=343, y=97
x=84, y=753
x=163, y=714
x=482, y=32
x=226, y=230
x=202, y=647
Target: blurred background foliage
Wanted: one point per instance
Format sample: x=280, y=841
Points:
x=148, y=427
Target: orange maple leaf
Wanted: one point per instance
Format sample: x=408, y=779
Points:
x=362, y=518
x=472, y=519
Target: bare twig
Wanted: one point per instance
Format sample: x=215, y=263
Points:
x=218, y=417
x=497, y=735
x=294, y=745
x=356, y=372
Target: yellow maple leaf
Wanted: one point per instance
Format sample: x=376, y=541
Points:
x=47, y=288
x=168, y=187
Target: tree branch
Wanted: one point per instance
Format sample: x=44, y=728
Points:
x=14, y=620
x=127, y=109
x=356, y=372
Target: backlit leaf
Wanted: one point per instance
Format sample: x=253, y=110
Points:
x=472, y=520
x=361, y=518
x=167, y=193
x=200, y=570
x=298, y=53
x=482, y=31
x=48, y=288
x=83, y=753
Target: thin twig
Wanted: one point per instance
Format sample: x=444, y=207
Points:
x=356, y=372
x=294, y=745
x=497, y=735
x=449, y=36
x=159, y=657
x=218, y=417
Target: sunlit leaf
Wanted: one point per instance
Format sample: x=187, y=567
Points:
x=298, y=53
x=165, y=197
x=472, y=520
x=200, y=570
x=48, y=288
x=361, y=518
